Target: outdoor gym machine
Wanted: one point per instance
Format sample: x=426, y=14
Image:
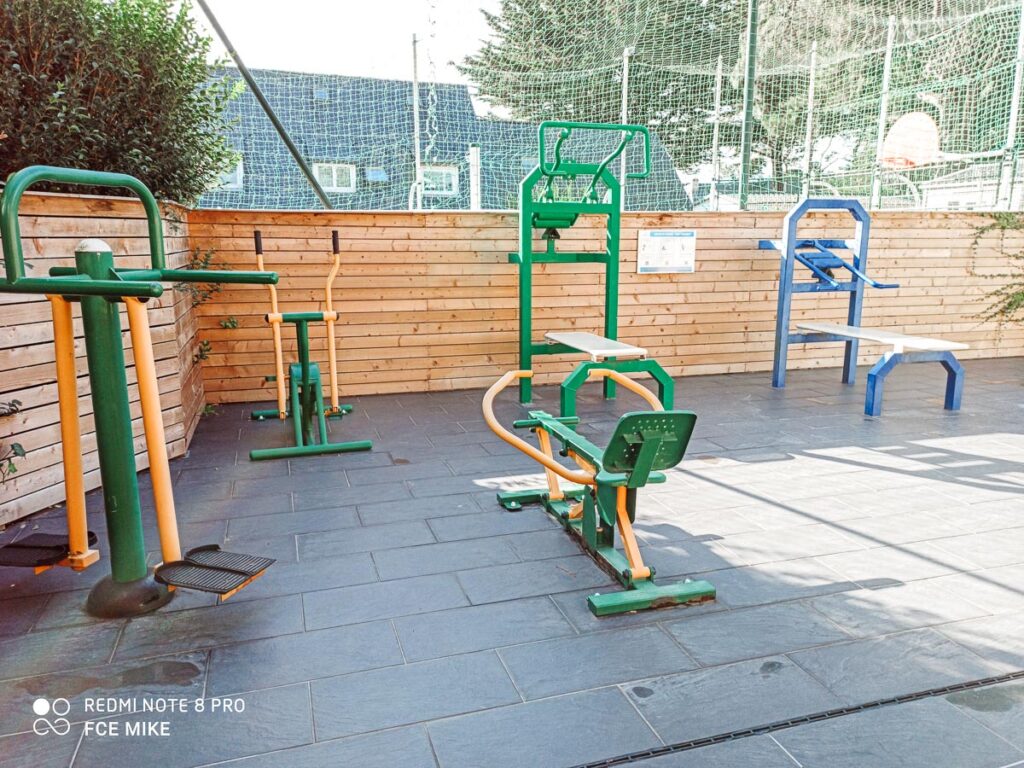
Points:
x=100, y=289
x=540, y=208
x=606, y=484
x=304, y=402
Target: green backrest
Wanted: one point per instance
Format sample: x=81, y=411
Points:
x=666, y=433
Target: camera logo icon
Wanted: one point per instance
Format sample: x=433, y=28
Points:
x=51, y=717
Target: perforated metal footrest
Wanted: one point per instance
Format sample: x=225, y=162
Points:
x=211, y=569
x=37, y=550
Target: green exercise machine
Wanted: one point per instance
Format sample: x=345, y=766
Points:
x=603, y=497
x=304, y=402
x=101, y=291
x=549, y=201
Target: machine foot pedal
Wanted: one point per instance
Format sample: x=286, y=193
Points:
x=210, y=569
x=38, y=550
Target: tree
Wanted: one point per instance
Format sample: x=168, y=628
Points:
x=112, y=85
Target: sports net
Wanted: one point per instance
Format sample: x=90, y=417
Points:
x=832, y=77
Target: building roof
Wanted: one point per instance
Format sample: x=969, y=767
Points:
x=368, y=123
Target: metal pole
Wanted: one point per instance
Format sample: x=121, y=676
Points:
x=883, y=115
x=247, y=76
x=1009, y=153
x=474, y=177
x=809, y=135
x=746, y=137
x=716, y=160
x=417, y=195
x=627, y=52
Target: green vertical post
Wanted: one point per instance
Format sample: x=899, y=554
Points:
x=611, y=292
x=129, y=589
x=526, y=283
x=746, y=136
x=302, y=338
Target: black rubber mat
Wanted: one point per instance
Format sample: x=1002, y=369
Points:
x=38, y=549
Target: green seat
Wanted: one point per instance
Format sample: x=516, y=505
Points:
x=644, y=441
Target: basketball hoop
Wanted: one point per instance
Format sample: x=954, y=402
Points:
x=912, y=140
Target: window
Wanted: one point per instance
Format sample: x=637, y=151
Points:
x=335, y=177
x=233, y=178
x=376, y=174
x=440, y=180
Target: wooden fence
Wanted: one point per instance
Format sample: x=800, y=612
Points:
x=51, y=227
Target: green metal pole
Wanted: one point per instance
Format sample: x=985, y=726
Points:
x=746, y=136
x=611, y=287
x=306, y=416
x=526, y=284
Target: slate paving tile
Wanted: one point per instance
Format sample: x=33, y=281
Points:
x=285, y=578
x=995, y=638
x=478, y=627
x=393, y=696
x=446, y=486
x=541, y=577
x=999, y=708
x=55, y=650
x=226, y=509
x=550, y=667
x=706, y=702
x=334, y=498
x=272, y=719
x=554, y=733
x=491, y=523
x=682, y=558
x=921, y=734
x=753, y=751
x=383, y=600
x=866, y=670
x=224, y=472
x=398, y=748
x=306, y=521
x=392, y=474
x=906, y=562
x=303, y=656
x=28, y=749
x=992, y=549
x=263, y=486
x=67, y=609
x=996, y=590
x=331, y=544
x=748, y=633
x=19, y=614
x=168, y=676
x=20, y=582
x=541, y=545
x=337, y=462
x=164, y=633
x=788, y=544
x=661, y=523
x=775, y=582
x=405, y=562
x=868, y=612
x=401, y=510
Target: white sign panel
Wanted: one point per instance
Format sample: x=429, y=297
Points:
x=661, y=251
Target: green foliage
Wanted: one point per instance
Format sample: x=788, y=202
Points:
x=112, y=85
x=211, y=410
x=8, y=453
x=229, y=323
x=1006, y=303
x=200, y=293
x=202, y=351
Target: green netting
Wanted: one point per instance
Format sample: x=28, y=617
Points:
x=678, y=67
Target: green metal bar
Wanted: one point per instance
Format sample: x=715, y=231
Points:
x=306, y=412
x=318, y=449
x=747, y=132
x=114, y=444
x=293, y=390
x=572, y=125
x=17, y=183
x=611, y=287
x=81, y=286
x=258, y=93
x=321, y=418
x=198, y=276
x=526, y=210
x=303, y=318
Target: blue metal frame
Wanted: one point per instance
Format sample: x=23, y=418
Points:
x=820, y=262
x=881, y=369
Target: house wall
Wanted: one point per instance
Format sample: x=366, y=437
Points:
x=429, y=301
x=51, y=226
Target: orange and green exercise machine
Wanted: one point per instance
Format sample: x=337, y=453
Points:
x=603, y=496
x=304, y=402
x=101, y=290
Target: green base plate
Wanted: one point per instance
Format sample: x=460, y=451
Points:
x=649, y=595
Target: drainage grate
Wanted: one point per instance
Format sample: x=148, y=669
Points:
x=684, y=746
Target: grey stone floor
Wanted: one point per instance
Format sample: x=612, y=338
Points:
x=411, y=622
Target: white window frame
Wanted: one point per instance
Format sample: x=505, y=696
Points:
x=453, y=174
x=334, y=168
x=239, y=175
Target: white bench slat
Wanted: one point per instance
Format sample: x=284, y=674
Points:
x=898, y=341
x=598, y=347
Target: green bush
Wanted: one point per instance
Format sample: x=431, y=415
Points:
x=112, y=85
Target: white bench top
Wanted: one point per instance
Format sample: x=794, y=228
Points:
x=898, y=341
x=598, y=347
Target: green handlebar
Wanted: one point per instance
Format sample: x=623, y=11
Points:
x=567, y=127
x=17, y=183
x=181, y=275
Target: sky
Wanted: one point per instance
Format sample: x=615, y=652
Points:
x=352, y=37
